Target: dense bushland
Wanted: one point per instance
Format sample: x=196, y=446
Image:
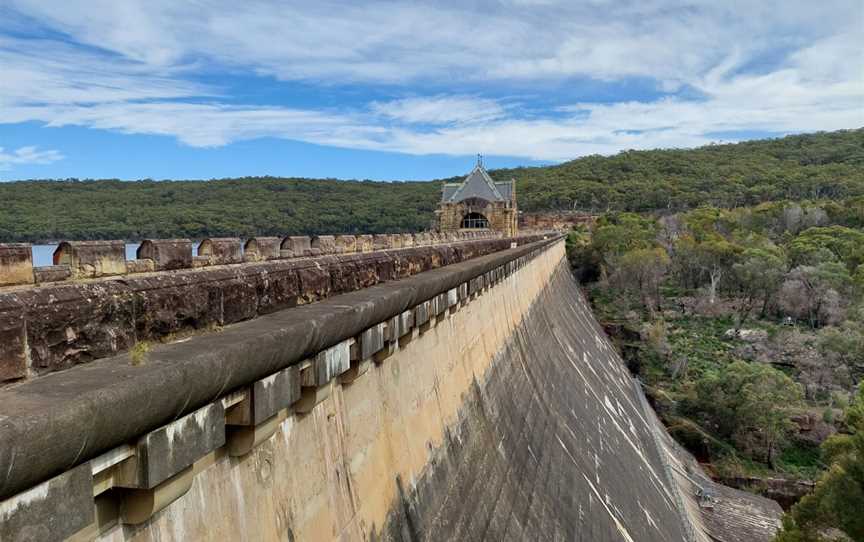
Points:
x=746, y=326
x=813, y=166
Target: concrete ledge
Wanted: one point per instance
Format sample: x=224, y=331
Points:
x=371, y=341
x=69, y=417
x=265, y=398
x=243, y=439
x=332, y=362
x=165, y=452
x=139, y=505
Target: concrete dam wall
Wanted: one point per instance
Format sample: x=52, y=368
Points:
x=476, y=401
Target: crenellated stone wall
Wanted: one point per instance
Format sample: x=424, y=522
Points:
x=55, y=326
x=93, y=259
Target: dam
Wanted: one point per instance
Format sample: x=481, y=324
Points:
x=411, y=388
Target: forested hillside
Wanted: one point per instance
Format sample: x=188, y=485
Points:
x=746, y=327
x=815, y=166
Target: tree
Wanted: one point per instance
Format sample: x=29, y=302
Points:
x=838, y=498
x=758, y=276
x=709, y=260
x=641, y=270
x=816, y=293
x=750, y=403
x=846, y=244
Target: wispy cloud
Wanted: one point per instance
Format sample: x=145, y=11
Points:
x=440, y=110
x=137, y=67
x=27, y=155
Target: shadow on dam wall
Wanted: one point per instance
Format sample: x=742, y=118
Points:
x=551, y=444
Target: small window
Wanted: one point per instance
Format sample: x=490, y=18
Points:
x=474, y=221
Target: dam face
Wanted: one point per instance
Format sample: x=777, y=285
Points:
x=493, y=409
x=347, y=469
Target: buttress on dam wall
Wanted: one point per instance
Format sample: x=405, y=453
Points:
x=477, y=401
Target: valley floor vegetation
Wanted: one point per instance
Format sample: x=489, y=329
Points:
x=746, y=326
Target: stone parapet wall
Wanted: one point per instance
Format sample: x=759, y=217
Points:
x=56, y=326
x=110, y=444
x=94, y=259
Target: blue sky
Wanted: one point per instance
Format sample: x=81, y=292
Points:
x=398, y=90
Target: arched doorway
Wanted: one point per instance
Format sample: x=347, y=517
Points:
x=474, y=221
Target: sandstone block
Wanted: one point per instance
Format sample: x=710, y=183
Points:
x=16, y=264
x=365, y=243
x=167, y=253
x=346, y=244
x=221, y=250
x=259, y=249
x=52, y=273
x=326, y=244
x=89, y=259
x=300, y=245
x=140, y=266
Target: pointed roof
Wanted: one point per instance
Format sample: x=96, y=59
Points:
x=478, y=184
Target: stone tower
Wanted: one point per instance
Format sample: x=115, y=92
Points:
x=478, y=202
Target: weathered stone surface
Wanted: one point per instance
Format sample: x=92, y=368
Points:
x=259, y=249
x=371, y=341
x=52, y=273
x=299, y=245
x=274, y=393
x=200, y=261
x=421, y=314
x=16, y=264
x=168, y=450
x=406, y=322
x=167, y=254
x=407, y=240
x=381, y=242
x=221, y=250
x=266, y=397
x=140, y=266
x=452, y=297
x=13, y=354
x=332, y=362
x=441, y=303
x=53, y=510
x=346, y=244
x=90, y=259
x=325, y=243
x=365, y=243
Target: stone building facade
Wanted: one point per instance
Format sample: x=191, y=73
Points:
x=478, y=202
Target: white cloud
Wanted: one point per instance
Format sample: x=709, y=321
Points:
x=27, y=155
x=131, y=67
x=440, y=110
